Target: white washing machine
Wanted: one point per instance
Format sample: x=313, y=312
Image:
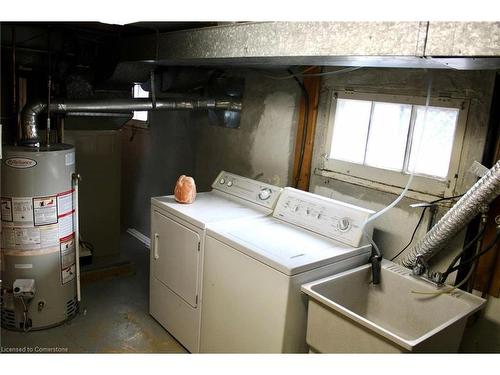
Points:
x=177, y=247
x=253, y=270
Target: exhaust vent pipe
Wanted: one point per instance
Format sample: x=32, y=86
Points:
x=467, y=208
x=29, y=114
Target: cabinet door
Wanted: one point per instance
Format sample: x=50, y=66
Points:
x=175, y=257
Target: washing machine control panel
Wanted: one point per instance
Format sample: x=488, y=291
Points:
x=251, y=190
x=334, y=219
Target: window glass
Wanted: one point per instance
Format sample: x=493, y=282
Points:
x=385, y=135
x=388, y=135
x=433, y=141
x=350, y=130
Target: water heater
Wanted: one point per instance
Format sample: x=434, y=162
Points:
x=38, y=248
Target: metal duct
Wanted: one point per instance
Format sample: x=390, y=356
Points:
x=29, y=115
x=468, y=207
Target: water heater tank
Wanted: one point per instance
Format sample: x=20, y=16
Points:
x=38, y=261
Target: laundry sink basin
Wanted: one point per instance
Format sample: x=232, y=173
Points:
x=348, y=314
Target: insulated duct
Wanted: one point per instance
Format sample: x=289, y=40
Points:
x=29, y=115
x=466, y=209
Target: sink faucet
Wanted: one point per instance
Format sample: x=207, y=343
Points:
x=423, y=271
x=376, y=261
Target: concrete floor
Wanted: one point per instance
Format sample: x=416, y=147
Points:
x=113, y=317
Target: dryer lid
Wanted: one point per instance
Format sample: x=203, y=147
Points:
x=208, y=208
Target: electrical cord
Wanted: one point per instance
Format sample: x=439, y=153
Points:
x=412, y=235
x=304, y=74
x=305, y=95
x=490, y=246
x=471, y=243
x=291, y=74
x=420, y=222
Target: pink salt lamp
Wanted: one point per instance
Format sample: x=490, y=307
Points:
x=185, y=189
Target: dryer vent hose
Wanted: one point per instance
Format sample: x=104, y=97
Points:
x=467, y=208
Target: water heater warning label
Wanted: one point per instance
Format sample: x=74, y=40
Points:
x=67, y=248
x=36, y=223
x=45, y=210
x=65, y=202
x=68, y=274
x=66, y=225
x=22, y=210
x=6, y=204
x=25, y=239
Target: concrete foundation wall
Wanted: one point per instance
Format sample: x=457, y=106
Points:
x=262, y=146
x=98, y=160
x=152, y=160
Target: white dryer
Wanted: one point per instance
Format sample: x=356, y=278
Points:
x=253, y=270
x=177, y=247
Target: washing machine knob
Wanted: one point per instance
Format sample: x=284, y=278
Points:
x=265, y=193
x=344, y=224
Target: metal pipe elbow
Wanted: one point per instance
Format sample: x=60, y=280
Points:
x=29, y=124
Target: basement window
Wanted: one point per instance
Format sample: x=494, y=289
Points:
x=382, y=138
x=138, y=92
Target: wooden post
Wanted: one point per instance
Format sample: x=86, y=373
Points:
x=301, y=178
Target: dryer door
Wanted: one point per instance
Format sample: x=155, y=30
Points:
x=175, y=257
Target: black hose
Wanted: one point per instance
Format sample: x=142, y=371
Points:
x=490, y=246
x=459, y=255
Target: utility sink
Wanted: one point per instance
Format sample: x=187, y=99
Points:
x=348, y=314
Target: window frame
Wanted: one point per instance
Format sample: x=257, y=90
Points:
x=366, y=175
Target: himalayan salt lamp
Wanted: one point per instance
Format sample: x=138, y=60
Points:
x=185, y=190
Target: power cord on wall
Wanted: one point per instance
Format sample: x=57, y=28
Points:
x=420, y=222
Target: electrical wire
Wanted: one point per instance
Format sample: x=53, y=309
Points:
x=333, y=72
x=291, y=74
x=304, y=74
x=490, y=246
x=471, y=243
x=305, y=95
x=412, y=236
x=420, y=222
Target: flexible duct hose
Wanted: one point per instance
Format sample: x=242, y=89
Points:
x=479, y=195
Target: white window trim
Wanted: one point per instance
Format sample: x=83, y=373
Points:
x=390, y=180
